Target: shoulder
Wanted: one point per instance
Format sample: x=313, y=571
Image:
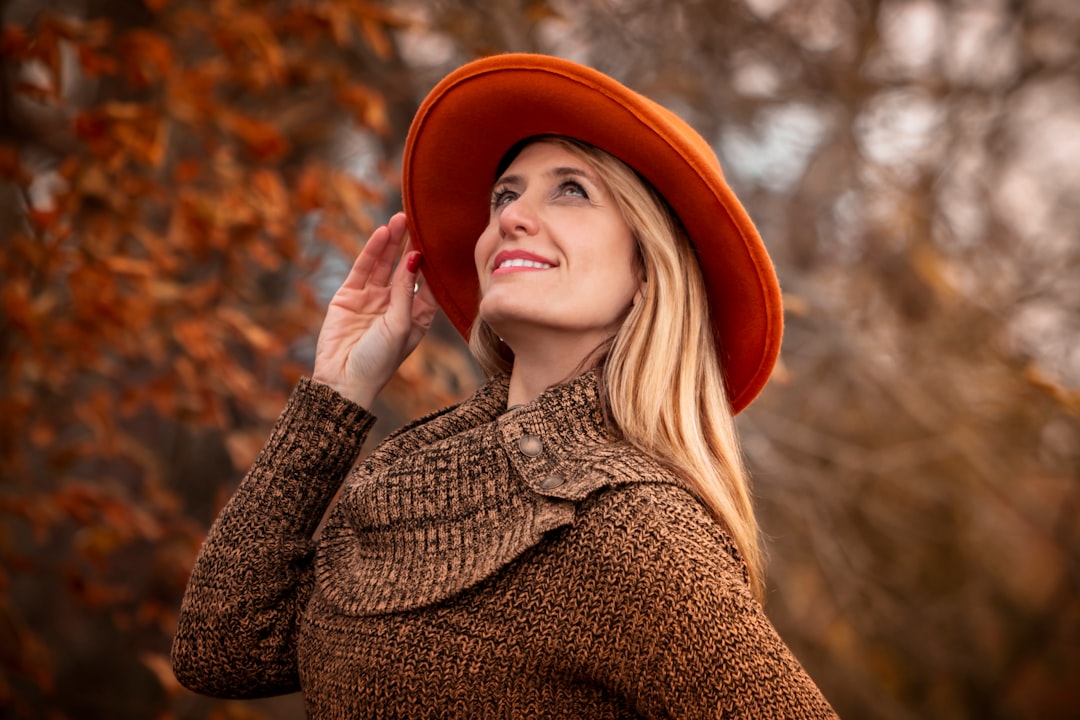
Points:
x=690, y=638
x=661, y=530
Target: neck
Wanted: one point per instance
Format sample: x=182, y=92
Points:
x=542, y=363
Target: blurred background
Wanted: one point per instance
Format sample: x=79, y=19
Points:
x=182, y=185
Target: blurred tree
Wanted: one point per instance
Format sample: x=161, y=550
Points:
x=172, y=187
x=182, y=182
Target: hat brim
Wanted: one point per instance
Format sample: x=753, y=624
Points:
x=478, y=112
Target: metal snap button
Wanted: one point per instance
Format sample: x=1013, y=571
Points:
x=552, y=481
x=530, y=445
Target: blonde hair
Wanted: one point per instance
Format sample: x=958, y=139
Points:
x=663, y=388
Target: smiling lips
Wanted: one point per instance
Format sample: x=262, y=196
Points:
x=519, y=261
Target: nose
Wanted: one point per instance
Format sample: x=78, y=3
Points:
x=519, y=218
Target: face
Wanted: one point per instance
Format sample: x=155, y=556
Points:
x=557, y=256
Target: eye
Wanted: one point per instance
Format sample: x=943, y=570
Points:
x=572, y=188
x=501, y=197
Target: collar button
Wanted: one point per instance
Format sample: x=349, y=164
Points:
x=530, y=445
x=552, y=481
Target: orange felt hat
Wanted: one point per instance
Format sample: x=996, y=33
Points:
x=479, y=111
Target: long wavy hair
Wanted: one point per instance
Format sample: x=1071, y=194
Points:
x=662, y=386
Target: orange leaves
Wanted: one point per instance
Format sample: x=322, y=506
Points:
x=94, y=33
x=41, y=52
x=209, y=370
x=108, y=519
x=95, y=63
x=190, y=93
x=367, y=105
x=257, y=337
x=345, y=22
x=309, y=191
x=40, y=57
x=342, y=201
x=252, y=48
x=90, y=126
x=87, y=504
x=116, y=132
x=15, y=43
x=160, y=289
x=260, y=139
x=374, y=34
x=270, y=201
x=147, y=58
x=26, y=314
x=252, y=221
x=198, y=339
x=26, y=654
x=50, y=30
x=1068, y=398
x=353, y=196
x=374, y=23
x=172, y=213
x=11, y=169
x=139, y=130
x=16, y=303
x=206, y=338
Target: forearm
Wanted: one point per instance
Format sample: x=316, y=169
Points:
x=236, y=633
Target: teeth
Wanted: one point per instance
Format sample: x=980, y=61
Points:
x=519, y=262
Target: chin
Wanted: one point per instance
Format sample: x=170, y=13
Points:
x=507, y=315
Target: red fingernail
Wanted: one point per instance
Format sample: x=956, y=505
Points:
x=414, y=262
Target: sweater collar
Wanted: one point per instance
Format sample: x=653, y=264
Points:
x=562, y=448
x=452, y=499
x=561, y=424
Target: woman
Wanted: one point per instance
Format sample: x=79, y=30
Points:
x=577, y=538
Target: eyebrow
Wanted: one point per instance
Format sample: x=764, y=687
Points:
x=556, y=172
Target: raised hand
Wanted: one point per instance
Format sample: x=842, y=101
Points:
x=374, y=319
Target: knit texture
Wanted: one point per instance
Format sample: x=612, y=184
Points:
x=478, y=564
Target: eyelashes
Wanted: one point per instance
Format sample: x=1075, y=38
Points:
x=572, y=186
x=503, y=196
x=500, y=197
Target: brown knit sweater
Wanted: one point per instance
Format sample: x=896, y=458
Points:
x=478, y=564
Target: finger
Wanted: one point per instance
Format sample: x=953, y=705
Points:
x=398, y=227
x=424, y=304
x=423, y=300
x=375, y=263
x=366, y=260
x=402, y=290
x=424, y=308
x=389, y=254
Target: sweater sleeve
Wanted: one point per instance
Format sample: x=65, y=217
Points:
x=236, y=633
x=693, y=642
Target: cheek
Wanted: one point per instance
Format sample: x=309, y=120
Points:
x=485, y=245
x=630, y=273
x=624, y=251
